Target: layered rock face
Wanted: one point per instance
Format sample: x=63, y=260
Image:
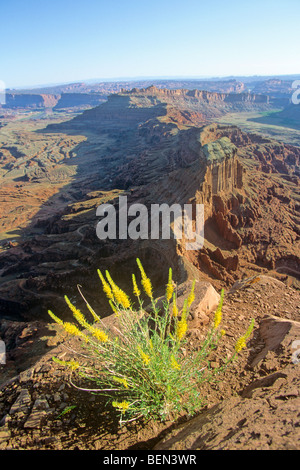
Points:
x=32, y=101
x=224, y=172
x=203, y=95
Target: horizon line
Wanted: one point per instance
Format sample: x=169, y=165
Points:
x=149, y=78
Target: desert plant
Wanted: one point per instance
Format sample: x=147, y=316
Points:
x=142, y=368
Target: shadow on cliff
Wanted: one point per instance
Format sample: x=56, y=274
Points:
x=55, y=255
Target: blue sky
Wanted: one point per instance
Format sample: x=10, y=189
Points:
x=63, y=41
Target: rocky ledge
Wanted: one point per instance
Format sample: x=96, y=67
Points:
x=255, y=405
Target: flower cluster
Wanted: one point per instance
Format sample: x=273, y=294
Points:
x=241, y=342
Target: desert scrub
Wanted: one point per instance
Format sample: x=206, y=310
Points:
x=142, y=368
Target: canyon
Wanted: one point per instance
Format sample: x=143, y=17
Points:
x=153, y=145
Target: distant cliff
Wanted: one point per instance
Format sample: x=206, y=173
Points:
x=32, y=101
x=57, y=101
x=203, y=95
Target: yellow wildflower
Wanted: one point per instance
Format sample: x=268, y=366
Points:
x=191, y=297
x=121, y=381
x=147, y=287
x=136, y=290
x=223, y=332
x=106, y=287
x=146, y=283
x=175, y=364
x=218, y=318
x=121, y=406
x=218, y=314
x=72, y=329
x=100, y=335
x=169, y=287
x=143, y=274
x=120, y=296
x=181, y=329
x=144, y=356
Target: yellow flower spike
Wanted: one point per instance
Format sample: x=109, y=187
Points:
x=136, y=290
x=218, y=314
x=111, y=282
x=55, y=318
x=99, y=334
x=106, y=287
x=77, y=314
x=170, y=287
x=181, y=329
x=146, y=283
x=147, y=287
x=143, y=274
x=182, y=326
x=72, y=329
x=174, y=307
x=191, y=297
x=217, y=319
x=120, y=297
